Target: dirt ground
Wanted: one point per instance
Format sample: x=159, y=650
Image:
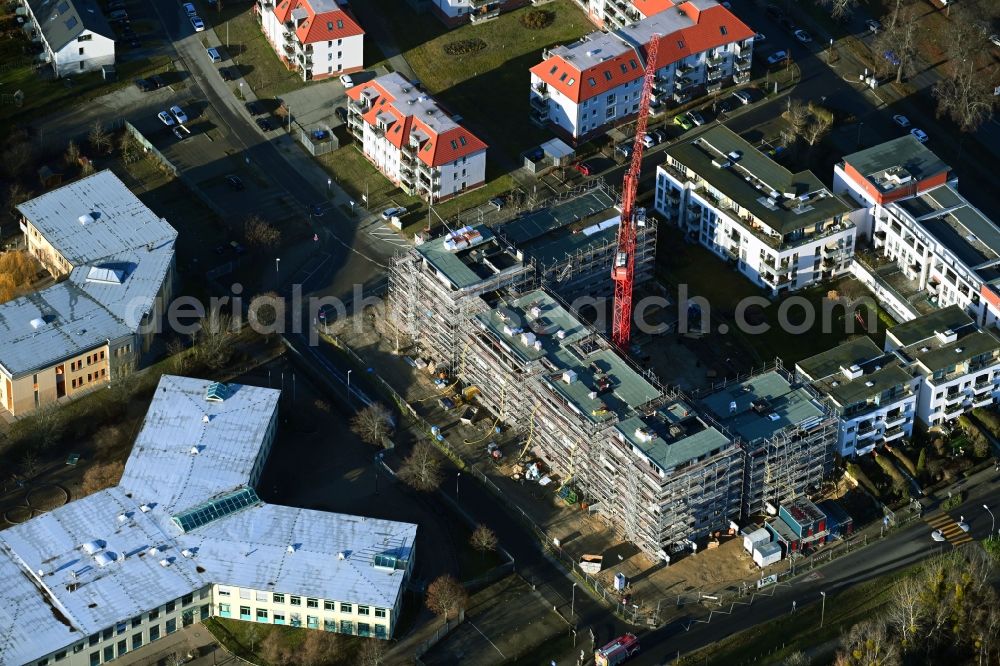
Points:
x=492, y=634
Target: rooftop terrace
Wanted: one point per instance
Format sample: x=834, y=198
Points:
x=762, y=406
x=672, y=436
x=469, y=257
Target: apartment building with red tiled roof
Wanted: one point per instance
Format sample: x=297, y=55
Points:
x=318, y=38
x=413, y=141
x=582, y=89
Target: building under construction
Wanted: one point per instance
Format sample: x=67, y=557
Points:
x=568, y=247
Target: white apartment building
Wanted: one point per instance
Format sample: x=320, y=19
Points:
x=872, y=391
x=620, y=13
x=317, y=38
x=957, y=361
x=782, y=230
x=74, y=33
x=114, y=264
x=413, y=141
x=582, y=89
x=457, y=12
x=184, y=537
x=890, y=171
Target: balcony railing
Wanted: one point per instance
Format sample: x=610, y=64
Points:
x=715, y=74
x=540, y=104
x=742, y=77
x=895, y=420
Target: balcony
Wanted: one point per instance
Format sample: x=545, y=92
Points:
x=684, y=84
x=715, y=86
x=680, y=97
x=984, y=385
x=866, y=431
x=540, y=104
x=899, y=419
x=743, y=64
x=289, y=49
x=716, y=60
x=955, y=399
x=683, y=70
x=742, y=77
x=983, y=401
x=714, y=73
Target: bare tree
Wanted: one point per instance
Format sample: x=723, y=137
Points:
x=445, y=594
x=29, y=463
x=820, y=122
x=899, y=39
x=796, y=114
x=213, y=343
x=372, y=653
x=72, y=155
x=47, y=426
x=99, y=138
x=483, y=539
x=129, y=148
x=422, y=469
x=17, y=194
x=260, y=234
x=797, y=659
x=17, y=155
x=265, y=311
x=177, y=351
x=906, y=610
x=373, y=424
x=101, y=476
x=319, y=648
x=965, y=95
x=839, y=9
x=868, y=644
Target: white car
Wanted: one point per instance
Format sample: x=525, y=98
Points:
x=346, y=80
x=165, y=118
x=390, y=213
x=179, y=114
x=759, y=37
x=189, y=9
x=919, y=135
x=937, y=535
x=743, y=96
x=901, y=120
x=803, y=36
x=197, y=24
x=648, y=140
x=777, y=57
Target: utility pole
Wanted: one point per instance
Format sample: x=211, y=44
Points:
x=822, y=611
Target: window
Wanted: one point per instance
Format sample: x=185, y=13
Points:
x=607, y=75
x=109, y=653
x=346, y=608
x=346, y=627
x=43, y=662
x=329, y=605
x=329, y=625
x=122, y=648
x=261, y=596
x=223, y=592
x=553, y=70
x=562, y=77
x=81, y=53
x=170, y=606
x=136, y=621
x=154, y=633
x=93, y=640
x=244, y=612
x=108, y=633
x=84, y=38
x=296, y=620
x=610, y=99
x=278, y=598
x=379, y=612
x=136, y=641
x=262, y=615
x=187, y=618
x=224, y=610
x=244, y=594
x=312, y=603
x=279, y=618
x=380, y=631
x=153, y=614
x=312, y=622
x=95, y=658
x=121, y=628
x=296, y=601
x=364, y=629
x=363, y=610
x=592, y=81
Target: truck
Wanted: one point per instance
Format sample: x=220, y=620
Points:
x=617, y=651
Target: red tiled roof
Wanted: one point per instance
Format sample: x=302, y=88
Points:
x=716, y=26
x=323, y=27
x=649, y=7
x=437, y=149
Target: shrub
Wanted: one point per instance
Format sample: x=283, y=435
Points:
x=953, y=502
x=990, y=420
x=904, y=459
x=464, y=47
x=855, y=471
x=538, y=19
x=922, y=462
x=898, y=481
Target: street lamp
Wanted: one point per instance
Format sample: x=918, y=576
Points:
x=572, y=603
x=329, y=185
x=993, y=520
x=860, y=125
x=457, y=477
x=822, y=612
x=277, y=264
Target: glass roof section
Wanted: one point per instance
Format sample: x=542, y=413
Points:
x=220, y=507
x=217, y=392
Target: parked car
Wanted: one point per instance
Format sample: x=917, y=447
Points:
x=341, y=113
x=118, y=15
x=265, y=124
x=803, y=36
x=624, y=149
x=181, y=132
x=759, y=37
x=396, y=211
x=235, y=183
x=583, y=168
x=919, y=135
x=179, y=114
x=227, y=74
x=873, y=25
x=165, y=118
x=660, y=134
x=197, y=24
x=346, y=80
x=497, y=202
x=696, y=118
x=891, y=57
x=253, y=108
x=777, y=57
x=213, y=54
x=189, y=9
x=995, y=40
x=144, y=86
x=157, y=81
x=683, y=121
x=937, y=535
x=648, y=140
x=726, y=105
x=901, y=120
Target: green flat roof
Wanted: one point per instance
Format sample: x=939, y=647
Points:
x=604, y=386
x=788, y=214
x=956, y=224
x=849, y=392
x=917, y=330
x=693, y=439
x=852, y=352
x=904, y=152
x=787, y=405
x=965, y=348
x=461, y=268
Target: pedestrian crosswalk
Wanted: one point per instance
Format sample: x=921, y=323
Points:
x=949, y=528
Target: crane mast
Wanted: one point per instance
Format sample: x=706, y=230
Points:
x=623, y=271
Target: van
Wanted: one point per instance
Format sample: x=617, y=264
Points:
x=118, y=15
x=213, y=54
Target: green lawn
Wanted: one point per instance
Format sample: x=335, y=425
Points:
x=48, y=93
x=237, y=637
x=489, y=89
x=710, y=277
x=356, y=175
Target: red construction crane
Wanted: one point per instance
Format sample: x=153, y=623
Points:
x=623, y=271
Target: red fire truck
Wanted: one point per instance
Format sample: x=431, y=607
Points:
x=617, y=651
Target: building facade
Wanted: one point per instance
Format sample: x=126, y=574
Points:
x=412, y=141
x=114, y=263
x=457, y=12
x=782, y=230
x=873, y=392
x=317, y=38
x=75, y=35
x=583, y=89
x=956, y=361
x=184, y=537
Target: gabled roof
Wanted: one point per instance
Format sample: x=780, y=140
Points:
x=600, y=62
x=405, y=110
x=62, y=21
x=324, y=20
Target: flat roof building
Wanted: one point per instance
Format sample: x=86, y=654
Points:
x=782, y=230
x=184, y=536
x=114, y=262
